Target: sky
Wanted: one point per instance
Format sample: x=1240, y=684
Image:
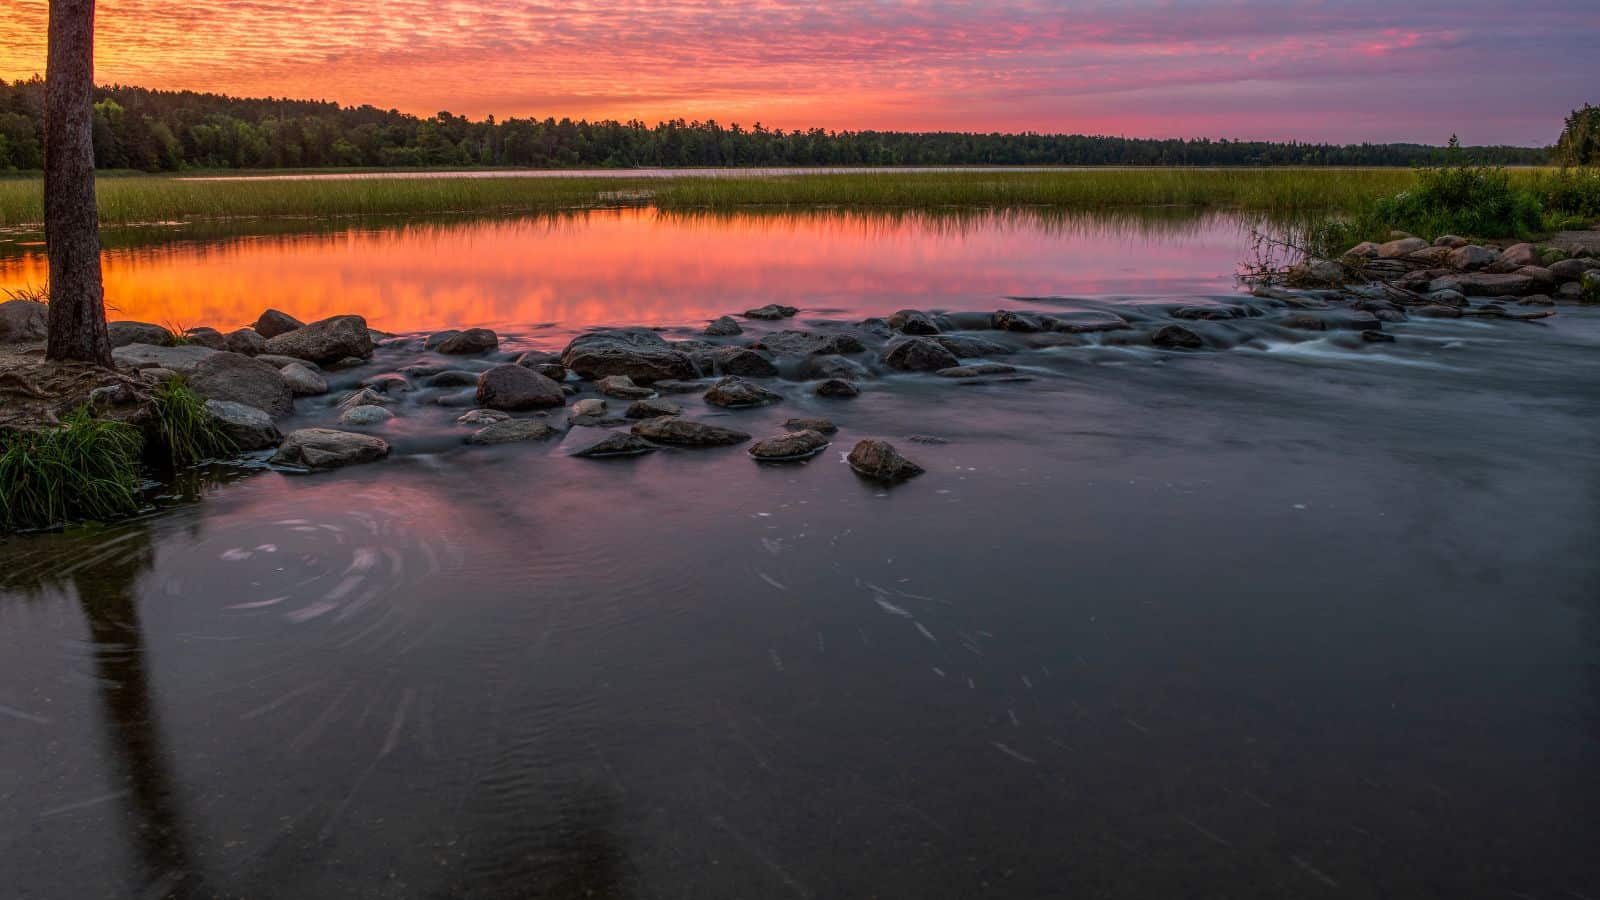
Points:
x=1491, y=71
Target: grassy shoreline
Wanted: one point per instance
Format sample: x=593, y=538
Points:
x=145, y=199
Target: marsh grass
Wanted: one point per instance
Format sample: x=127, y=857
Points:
x=137, y=200
x=185, y=433
x=86, y=469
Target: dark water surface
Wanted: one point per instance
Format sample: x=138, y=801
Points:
x=1304, y=618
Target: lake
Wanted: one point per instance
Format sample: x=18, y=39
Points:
x=1293, y=616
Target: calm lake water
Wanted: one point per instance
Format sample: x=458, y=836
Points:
x=1306, y=617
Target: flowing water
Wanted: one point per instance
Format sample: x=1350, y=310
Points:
x=1303, y=617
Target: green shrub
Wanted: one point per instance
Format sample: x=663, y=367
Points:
x=185, y=432
x=1462, y=199
x=86, y=469
x=1572, y=193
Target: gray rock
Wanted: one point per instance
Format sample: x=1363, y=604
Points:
x=1471, y=257
x=688, y=433
x=247, y=427
x=674, y=386
x=325, y=448
x=464, y=343
x=913, y=321
x=831, y=366
x=512, y=387
x=791, y=447
x=161, y=376
x=303, y=382
x=1022, y=323
x=245, y=341
x=1572, y=291
x=734, y=392
x=591, y=406
x=365, y=416
x=811, y=423
x=1450, y=241
x=809, y=343
x=918, y=354
x=836, y=387
x=236, y=377
x=1400, y=247
x=976, y=371
x=652, y=408
x=1483, y=284
x=966, y=346
x=771, y=312
x=272, y=323
x=1363, y=250
x=1518, y=255
x=724, y=326
x=879, y=460
x=1317, y=272
x=278, y=362
x=1543, y=279
x=206, y=337
x=23, y=321
x=125, y=333
x=1176, y=337
x=482, y=417
x=735, y=361
x=511, y=431
x=546, y=364
x=597, y=443
x=623, y=388
x=328, y=341
x=182, y=360
x=1205, y=313
x=452, y=378
x=392, y=383
x=1446, y=298
x=639, y=354
x=1572, y=269
x=1087, y=322
x=364, y=397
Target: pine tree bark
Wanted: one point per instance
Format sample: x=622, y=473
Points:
x=71, y=217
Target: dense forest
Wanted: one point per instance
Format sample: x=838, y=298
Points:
x=165, y=131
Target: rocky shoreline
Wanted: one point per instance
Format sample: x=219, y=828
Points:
x=321, y=395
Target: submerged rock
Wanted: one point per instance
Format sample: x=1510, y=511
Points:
x=724, y=326
x=809, y=343
x=651, y=408
x=233, y=376
x=688, y=433
x=881, y=461
x=913, y=321
x=452, y=378
x=247, y=427
x=1205, y=313
x=832, y=366
x=734, y=392
x=791, y=447
x=511, y=387
x=325, y=448
x=482, y=417
x=1176, y=337
x=589, y=406
x=327, y=341
x=623, y=388
x=465, y=343
x=364, y=397
x=365, y=416
x=810, y=423
x=967, y=346
x=511, y=431
x=919, y=354
x=272, y=323
x=837, y=387
x=596, y=443
x=675, y=386
x=639, y=354
x=771, y=312
x=976, y=371
x=736, y=361
x=1023, y=323
x=124, y=333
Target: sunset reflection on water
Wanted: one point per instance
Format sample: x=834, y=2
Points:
x=639, y=266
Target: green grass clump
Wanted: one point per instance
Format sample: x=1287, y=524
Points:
x=86, y=469
x=185, y=432
x=1465, y=200
x=1571, y=197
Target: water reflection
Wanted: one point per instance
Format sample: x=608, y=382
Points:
x=644, y=266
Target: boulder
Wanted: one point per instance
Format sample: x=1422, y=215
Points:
x=809, y=343
x=674, y=386
x=790, y=447
x=236, y=377
x=162, y=376
x=452, y=378
x=597, y=443
x=125, y=333
x=771, y=312
x=623, y=388
x=1518, y=255
x=1542, y=278
x=589, y=406
x=302, y=380
x=880, y=460
x=511, y=431
x=836, y=387
x=1176, y=337
x=734, y=392
x=364, y=397
x=1022, y=323
x=482, y=417
x=23, y=322
x=913, y=321
x=1446, y=298
x=1314, y=272
x=464, y=343
x=688, y=433
x=1471, y=257
x=831, y=366
x=1430, y=256
x=1363, y=250
x=1483, y=284
x=325, y=448
x=392, y=383
x=247, y=427
x=511, y=387
x=272, y=323
x=811, y=423
x=365, y=416
x=328, y=341
x=1400, y=247
x=724, y=326
x=652, y=408
x=206, y=337
x=639, y=354
x=735, y=361
x=966, y=346
x=918, y=354
x=1572, y=291
x=182, y=360
x=1572, y=269
x=245, y=341
x=279, y=362
x=1450, y=241
x=1205, y=313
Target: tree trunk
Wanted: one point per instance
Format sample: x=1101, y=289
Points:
x=71, y=218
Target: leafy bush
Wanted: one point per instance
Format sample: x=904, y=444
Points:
x=87, y=469
x=185, y=431
x=1572, y=193
x=1462, y=199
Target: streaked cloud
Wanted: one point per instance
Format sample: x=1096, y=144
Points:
x=1361, y=70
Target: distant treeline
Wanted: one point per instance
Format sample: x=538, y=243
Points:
x=166, y=131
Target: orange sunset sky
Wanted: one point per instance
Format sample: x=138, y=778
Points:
x=1493, y=71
